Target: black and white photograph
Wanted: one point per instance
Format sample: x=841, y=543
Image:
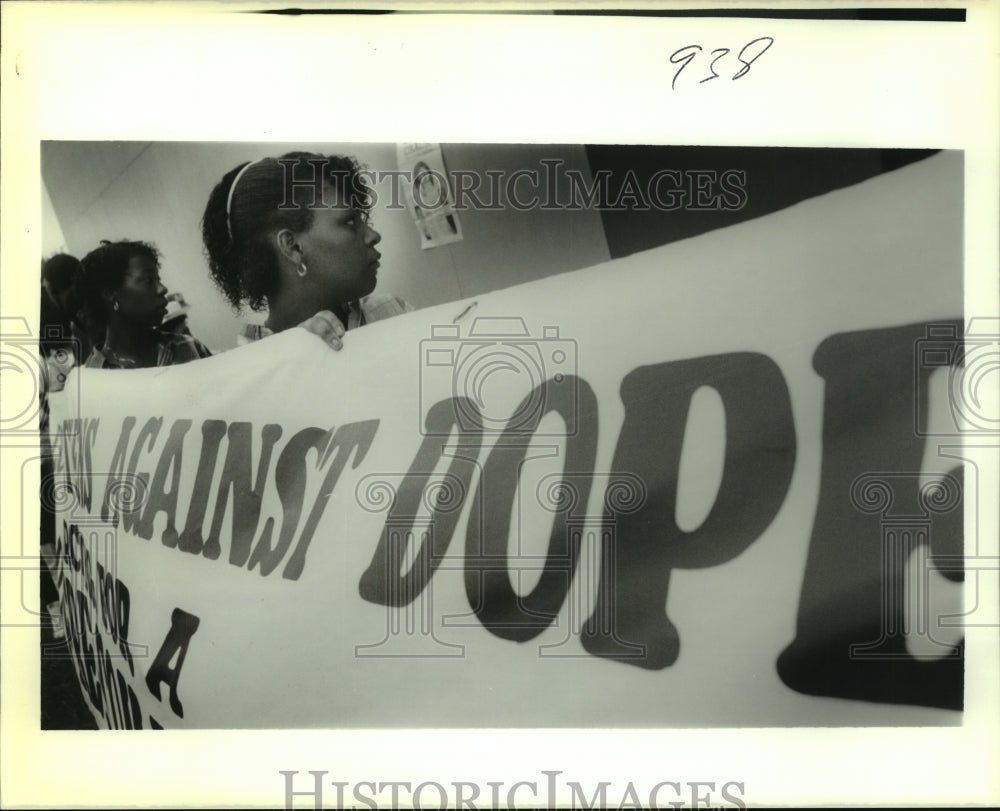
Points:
x=564, y=445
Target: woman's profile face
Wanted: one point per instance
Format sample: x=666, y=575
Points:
x=339, y=251
x=141, y=296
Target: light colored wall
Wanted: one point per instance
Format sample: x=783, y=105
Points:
x=53, y=241
x=157, y=192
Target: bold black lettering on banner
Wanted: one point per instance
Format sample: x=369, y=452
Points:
x=110, y=697
x=290, y=475
x=182, y=628
x=74, y=545
x=240, y=492
x=131, y=710
x=87, y=626
x=191, y=539
x=947, y=540
x=79, y=630
x=147, y=434
x=115, y=605
x=383, y=582
x=95, y=609
x=122, y=612
x=247, y=494
x=854, y=584
x=160, y=498
x=487, y=579
x=629, y=622
x=119, y=701
x=109, y=616
x=77, y=443
x=116, y=473
x=352, y=439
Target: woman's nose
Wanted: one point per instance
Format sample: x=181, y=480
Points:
x=374, y=237
x=161, y=289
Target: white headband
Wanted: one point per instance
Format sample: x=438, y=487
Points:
x=229, y=200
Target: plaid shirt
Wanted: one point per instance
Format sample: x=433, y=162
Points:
x=171, y=349
x=373, y=308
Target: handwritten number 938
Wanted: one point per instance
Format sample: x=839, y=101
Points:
x=748, y=54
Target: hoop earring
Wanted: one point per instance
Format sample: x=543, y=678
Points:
x=302, y=270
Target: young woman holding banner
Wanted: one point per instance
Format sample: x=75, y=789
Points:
x=291, y=235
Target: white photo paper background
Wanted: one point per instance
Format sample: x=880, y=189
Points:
x=802, y=397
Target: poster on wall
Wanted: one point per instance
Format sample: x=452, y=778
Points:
x=428, y=194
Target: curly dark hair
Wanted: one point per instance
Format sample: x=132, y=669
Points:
x=60, y=271
x=242, y=262
x=104, y=268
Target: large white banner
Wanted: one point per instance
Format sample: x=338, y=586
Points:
x=714, y=483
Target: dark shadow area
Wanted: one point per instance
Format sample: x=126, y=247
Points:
x=694, y=198
x=62, y=704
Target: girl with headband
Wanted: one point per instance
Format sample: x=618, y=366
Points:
x=291, y=235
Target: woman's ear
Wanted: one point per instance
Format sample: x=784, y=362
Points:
x=287, y=244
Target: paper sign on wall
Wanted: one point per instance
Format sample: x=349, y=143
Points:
x=428, y=194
